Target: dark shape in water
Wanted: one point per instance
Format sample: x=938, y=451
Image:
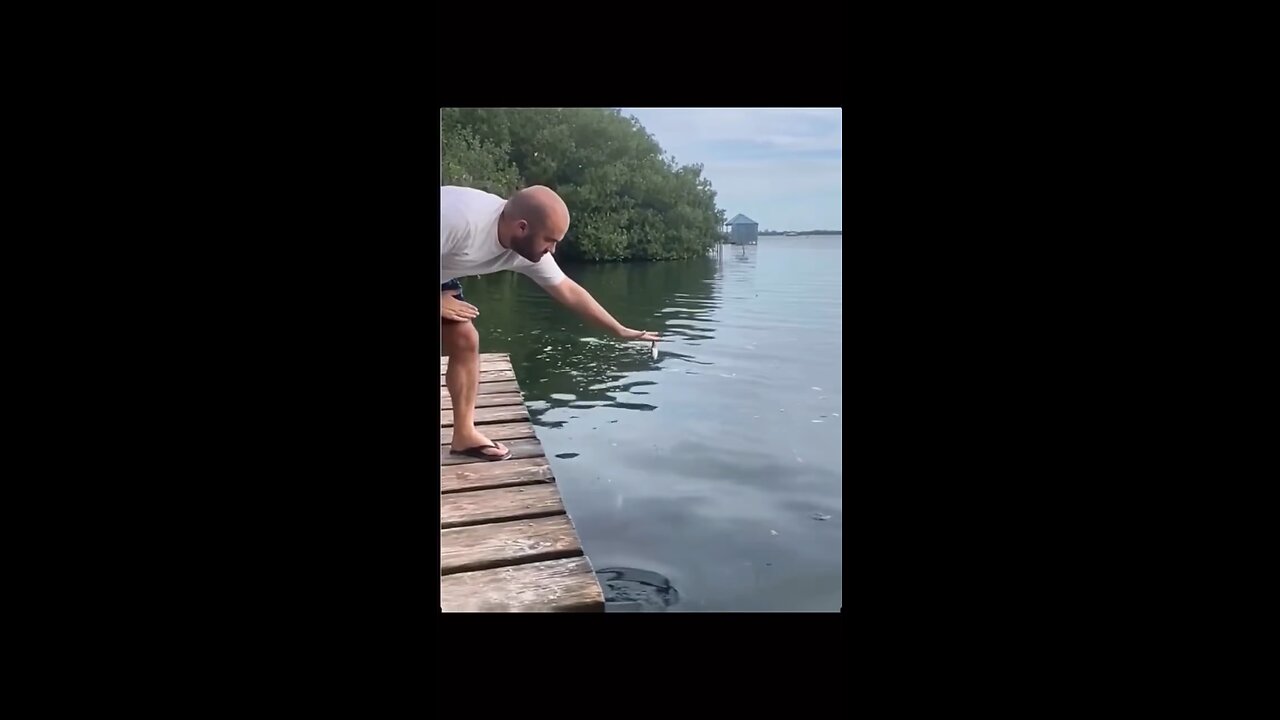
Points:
x=566, y=456
x=631, y=406
x=634, y=590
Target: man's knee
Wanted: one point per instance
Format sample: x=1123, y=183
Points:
x=468, y=338
x=461, y=338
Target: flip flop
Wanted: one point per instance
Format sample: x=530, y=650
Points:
x=479, y=452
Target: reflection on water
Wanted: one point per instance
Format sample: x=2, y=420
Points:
x=567, y=369
x=704, y=466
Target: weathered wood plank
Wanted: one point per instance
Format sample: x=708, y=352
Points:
x=519, y=449
x=486, y=376
x=488, y=388
x=507, y=541
x=551, y=586
x=505, y=413
x=510, y=543
x=485, y=356
x=504, y=473
x=491, y=400
x=499, y=505
x=501, y=432
x=484, y=365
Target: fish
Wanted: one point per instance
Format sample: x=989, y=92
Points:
x=653, y=346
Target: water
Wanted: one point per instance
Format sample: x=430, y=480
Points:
x=709, y=479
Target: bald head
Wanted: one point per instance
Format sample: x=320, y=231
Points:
x=540, y=204
x=535, y=219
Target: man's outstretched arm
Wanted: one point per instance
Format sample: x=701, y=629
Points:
x=576, y=298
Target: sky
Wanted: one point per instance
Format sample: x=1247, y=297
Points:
x=781, y=167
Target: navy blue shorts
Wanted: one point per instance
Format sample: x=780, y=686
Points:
x=453, y=285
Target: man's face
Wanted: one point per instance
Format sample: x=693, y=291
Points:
x=532, y=242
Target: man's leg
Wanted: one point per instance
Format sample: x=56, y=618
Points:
x=462, y=345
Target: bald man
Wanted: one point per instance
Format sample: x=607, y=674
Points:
x=482, y=233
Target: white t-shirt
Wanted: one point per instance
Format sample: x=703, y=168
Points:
x=469, y=239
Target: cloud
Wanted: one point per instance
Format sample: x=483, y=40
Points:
x=780, y=166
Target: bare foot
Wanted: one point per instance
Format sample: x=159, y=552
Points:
x=468, y=440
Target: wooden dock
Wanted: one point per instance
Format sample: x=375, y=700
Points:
x=506, y=542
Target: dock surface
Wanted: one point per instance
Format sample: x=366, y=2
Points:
x=506, y=541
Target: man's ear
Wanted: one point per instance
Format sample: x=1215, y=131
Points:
x=522, y=225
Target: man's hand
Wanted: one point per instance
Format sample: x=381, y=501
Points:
x=645, y=335
x=451, y=308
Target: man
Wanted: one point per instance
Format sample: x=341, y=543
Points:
x=481, y=233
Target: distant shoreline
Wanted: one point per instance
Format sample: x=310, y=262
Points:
x=763, y=233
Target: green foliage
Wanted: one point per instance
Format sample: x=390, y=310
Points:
x=628, y=201
x=474, y=161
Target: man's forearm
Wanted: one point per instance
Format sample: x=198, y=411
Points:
x=576, y=298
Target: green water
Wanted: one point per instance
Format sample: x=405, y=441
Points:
x=717, y=466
